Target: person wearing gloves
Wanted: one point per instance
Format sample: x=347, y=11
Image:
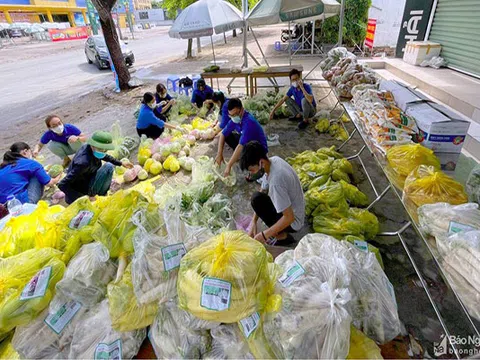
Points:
x=148, y=123
x=163, y=98
x=250, y=130
x=280, y=203
x=21, y=176
x=300, y=101
x=86, y=174
x=63, y=139
x=221, y=102
x=201, y=93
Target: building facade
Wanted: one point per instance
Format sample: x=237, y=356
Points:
x=142, y=4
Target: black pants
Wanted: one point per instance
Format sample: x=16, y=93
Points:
x=233, y=139
x=152, y=132
x=265, y=210
x=199, y=102
x=158, y=114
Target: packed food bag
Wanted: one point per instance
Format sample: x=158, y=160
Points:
x=225, y=279
x=427, y=185
x=95, y=338
x=35, y=230
x=364, y=246
x=362, y=347
x=173, y=339
x=227, y=343
x=403, y=159
x=86, y=277
x=472, y=185
x=28, y=284
x=7, y=351
x=125, y=312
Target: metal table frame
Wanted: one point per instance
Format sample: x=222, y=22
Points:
x=348, y=108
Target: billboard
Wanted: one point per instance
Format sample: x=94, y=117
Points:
x=74, y=33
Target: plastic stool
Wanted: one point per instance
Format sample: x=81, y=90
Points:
x=278, y=46
x=185, y=90
x=195, y=78
x=173, y=83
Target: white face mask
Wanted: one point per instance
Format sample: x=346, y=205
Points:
x=294, y=84
x=152, y=105
x=58, y=130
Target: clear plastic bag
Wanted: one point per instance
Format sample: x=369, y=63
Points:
x=7, y=351
x=27, y=285
x=225, y=279
x=227, y=343
x=472, y=185
x=94, y=337
x=86, y=277
x=172, y=339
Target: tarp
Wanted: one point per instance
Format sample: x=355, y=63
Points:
x=268, y=12
x=205, y=17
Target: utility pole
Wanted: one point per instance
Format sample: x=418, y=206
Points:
x=245, y=29
x=91, y=17
x=340, y=26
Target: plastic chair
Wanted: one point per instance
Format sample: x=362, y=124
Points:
x=185, y=90
x=195, y=78
x=173, y=83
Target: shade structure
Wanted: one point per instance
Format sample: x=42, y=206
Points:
x=206, y=17
x=268, y=12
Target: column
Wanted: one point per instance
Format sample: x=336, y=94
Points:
x=7, y=16
x=84, y=13
x=49, y=16
x=71, y=19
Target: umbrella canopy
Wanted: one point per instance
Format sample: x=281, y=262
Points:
x=205, y=17
x=268, y=12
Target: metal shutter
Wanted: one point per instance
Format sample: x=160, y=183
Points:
x=456, y=26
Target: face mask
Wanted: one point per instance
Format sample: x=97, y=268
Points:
x=152, y=105
x=58, y=130
x=99, y=155
x=236, y=119
x=294, y=84
x=259, y=173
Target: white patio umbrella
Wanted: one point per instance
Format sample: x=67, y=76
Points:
x=204, y=18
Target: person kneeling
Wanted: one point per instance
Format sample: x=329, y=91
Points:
x=280, y=203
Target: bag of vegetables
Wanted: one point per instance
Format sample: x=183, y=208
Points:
x=7, y=351
x=28, y=283
x=227, y=343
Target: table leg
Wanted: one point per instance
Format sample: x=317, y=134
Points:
x=256, y=86
x=251, y=86
x=246, y=86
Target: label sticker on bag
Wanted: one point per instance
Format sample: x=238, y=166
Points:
x=361, y=245
x=80, y=220
x=292, y=274
x=456, y=227
x=312, y=174
x=37, y=286
x=63, y=316
x=216, y=294
x=172, y=254
x=250, y=324
x=111, y=351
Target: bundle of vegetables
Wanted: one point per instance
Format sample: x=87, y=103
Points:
x=226, y=279
x=260, y=68
x=94, y=337
x=7, y=351
x=182, y=108
x=153, y=167
x=27, y=285
x=86, y=277
x=211, y=68
x=227, y=343
x=472, y=185
x=262, y=104
x=132, y=174
x=176, y=334
x=333, y=56
x=35, y=230
x=427, y=185
x=124, y=145
x=54, y=170
x=403, y=159
x=362, y=347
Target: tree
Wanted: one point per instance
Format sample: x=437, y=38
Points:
x=156, y=4
x=104, y=9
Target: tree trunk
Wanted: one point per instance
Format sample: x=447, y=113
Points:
x=189, y=48
x=113, y=44
x=234, y=33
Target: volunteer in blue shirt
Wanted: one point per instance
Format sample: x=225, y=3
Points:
x=300, y=101
x=221, y=102
x=63, y=139
x=163, y=98
x=21, y=176
x=201, y=93
x=250, y=130
x=148, y=123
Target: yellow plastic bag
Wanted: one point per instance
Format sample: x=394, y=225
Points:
x=200, y=124
x=403, y=159
x=27, y=284
x=35, y=230
x=226, y=279
x=426, y=185
x=362, y=347
x=125, y=312
x=7, y=351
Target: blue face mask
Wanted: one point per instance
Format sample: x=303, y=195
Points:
x=99, y=155
x=236, y=119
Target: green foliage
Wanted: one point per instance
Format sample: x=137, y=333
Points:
x=156, y=4
x=355, y=24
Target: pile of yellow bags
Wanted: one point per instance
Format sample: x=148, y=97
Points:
x=362, y=347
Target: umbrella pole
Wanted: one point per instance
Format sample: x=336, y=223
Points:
x=213, y=50
x=340, y=30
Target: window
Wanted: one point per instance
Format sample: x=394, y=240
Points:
x=143, y=15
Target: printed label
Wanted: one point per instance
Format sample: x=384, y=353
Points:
x=361, y=245
x=111, y=351
x=82, y=219
x=312, y=174
x=63, y=316
x=455, y=227
x=292, y=274
x=250, y=324
x=172, y=254
x=37, y=286
x=216, y=294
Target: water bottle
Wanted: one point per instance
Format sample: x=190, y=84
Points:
x=14, y=206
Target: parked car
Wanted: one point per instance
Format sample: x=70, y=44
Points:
x=11, y=32
x=96, y=52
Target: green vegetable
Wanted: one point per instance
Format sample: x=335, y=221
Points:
x=55, y=170
x=211, y=68
x=338, y=175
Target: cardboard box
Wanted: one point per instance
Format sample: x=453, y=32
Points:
x=402, y=94
x=439, y=128
x=448, y=161
x=418, y=51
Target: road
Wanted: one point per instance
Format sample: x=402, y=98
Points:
x=37, y=77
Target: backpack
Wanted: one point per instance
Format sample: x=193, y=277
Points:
x=185, y=82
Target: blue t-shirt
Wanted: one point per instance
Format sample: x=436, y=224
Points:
x=68, y=131
x=146, y=117
x=297, y=94
x=225, y=118
x=202, y=95
x=14, y=179
x=250, y=130
x=159, y=99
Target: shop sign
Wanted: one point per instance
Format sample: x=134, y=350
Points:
x=371, y=26
x=74, y=33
